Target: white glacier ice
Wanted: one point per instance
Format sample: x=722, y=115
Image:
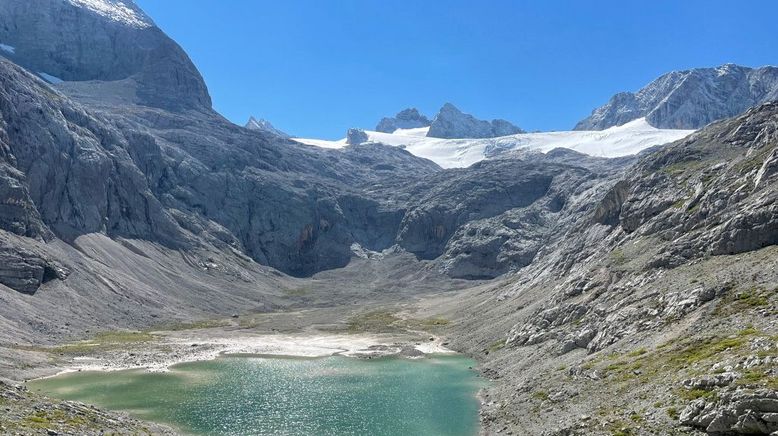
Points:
x=623, y=140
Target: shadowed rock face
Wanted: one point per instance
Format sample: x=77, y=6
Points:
x=689, y=99
x=451, y=123
x=73, y=42
x=190, y=180
x=405, y=119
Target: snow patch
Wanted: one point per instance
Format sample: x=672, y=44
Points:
x=122, y=11
x=624, y=140
x=8, y=48
x=49, y=78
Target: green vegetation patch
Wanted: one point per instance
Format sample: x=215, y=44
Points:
x=104, y=341
x=383, y=321
x=743, y=301
x=496, y=346
x=378, y=321
x=298, y=292
x=194, y=325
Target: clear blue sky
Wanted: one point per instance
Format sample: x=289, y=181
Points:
x=317, y=67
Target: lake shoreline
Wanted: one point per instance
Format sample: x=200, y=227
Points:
x=177, y=347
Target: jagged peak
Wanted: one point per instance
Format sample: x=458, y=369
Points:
x=264, y=125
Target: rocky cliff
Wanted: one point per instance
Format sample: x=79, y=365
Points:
x=632, y=296
x=689, y=99
x=108, y=41
x=452, y=123
x=405, y=119
x=652, y=308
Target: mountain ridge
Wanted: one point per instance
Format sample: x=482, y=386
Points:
x=634, y=295
x=689, y=99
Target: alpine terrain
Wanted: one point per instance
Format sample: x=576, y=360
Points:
x=617, y=279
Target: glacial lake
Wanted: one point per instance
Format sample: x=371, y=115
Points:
x=241, y=395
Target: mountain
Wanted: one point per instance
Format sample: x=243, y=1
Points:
x=405, y=119
x=689, y=99
x=624, y=140
x=627, y=295
x=110, y=42
x=644, y=310
x=450, y=122
x=263, y=125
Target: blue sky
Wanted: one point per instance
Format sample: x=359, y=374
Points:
x=317, y=67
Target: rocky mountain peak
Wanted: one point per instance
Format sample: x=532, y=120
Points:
x=451, y=123
x=689, y=99
x=105, y=49
x=264, y=125
x=120, y=11
x=409, y=118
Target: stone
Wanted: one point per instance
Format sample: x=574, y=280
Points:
x=405, y=119
x=450, y=122
x=356, y=137
x=689, y=99
x=263, y=125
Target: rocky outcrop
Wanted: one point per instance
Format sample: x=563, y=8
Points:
x=713, y=190
x=451, y=123
x=108, y=41
x=735, y=413
x=405, y=119
x=689, y=99
x=356, y=137
x=266, y=126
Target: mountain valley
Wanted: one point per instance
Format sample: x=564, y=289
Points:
x=617, y=279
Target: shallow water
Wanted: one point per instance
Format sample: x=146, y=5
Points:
x=290, y=396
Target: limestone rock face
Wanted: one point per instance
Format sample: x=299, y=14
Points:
x=405, y=119
x=735, y=413
x=722, y=172
x=266, y=126
x=451, y=123
x=689, y=99
x=102, y=40
x=356, y=137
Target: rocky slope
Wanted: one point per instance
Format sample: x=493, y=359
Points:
x=689, y=99
x=652, y=310
x=109, y=41
x=405, y=119
x=632, y=295
x=450, y=122
x=76, y=166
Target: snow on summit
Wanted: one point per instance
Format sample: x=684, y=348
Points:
x=623, y=140
x=123, y=11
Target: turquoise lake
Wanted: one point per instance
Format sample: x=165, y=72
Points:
x=290, y=396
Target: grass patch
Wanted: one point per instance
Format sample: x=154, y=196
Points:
x=377, y=321
x=495, y=346
x=672, y=412
x=540, y=395
x=742, y=301
x=617, y=257
x=104, y=341
x=195, y=325
x=298, y=292
x=382, y=321
x=426, y=323
x=700, y=350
